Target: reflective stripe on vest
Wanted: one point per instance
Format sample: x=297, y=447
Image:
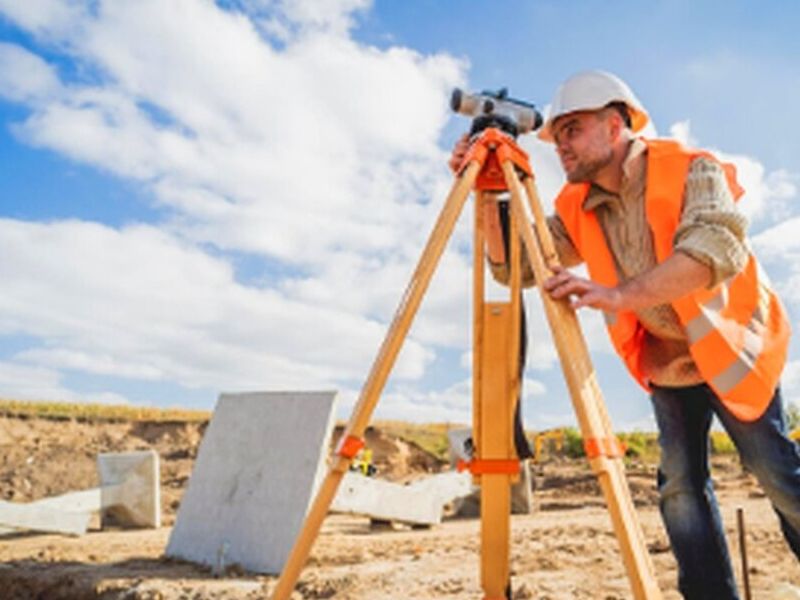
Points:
x=738, y=332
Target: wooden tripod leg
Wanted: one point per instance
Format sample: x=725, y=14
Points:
x=586, y=396
x=379, y=373
x=496, y=340
x=496, y=444
x=494, y=384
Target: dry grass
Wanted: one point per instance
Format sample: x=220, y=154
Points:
x=97, y=412
x=431, y=437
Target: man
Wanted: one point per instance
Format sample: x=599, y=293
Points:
x=687, y=306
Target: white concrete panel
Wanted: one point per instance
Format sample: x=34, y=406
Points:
x=420, y=502
x=257, y=470
x=42, y=518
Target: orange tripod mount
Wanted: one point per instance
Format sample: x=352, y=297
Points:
x=495, y=164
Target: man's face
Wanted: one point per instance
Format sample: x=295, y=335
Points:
x=584, y=144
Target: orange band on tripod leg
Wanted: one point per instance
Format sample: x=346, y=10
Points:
x=609, y=447
x=349, y=446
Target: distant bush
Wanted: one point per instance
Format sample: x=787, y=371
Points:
x=792, y=416
x=641, y=444
x=573, y=443
x=721, y=443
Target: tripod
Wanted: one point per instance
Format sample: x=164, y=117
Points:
x=495, y=163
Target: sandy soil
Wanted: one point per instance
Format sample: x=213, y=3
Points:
x=564, y=550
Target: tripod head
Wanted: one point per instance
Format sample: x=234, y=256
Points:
x=496, y=109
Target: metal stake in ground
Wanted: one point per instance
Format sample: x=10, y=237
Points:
x=743, y=552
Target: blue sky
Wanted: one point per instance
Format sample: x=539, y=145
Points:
x=199, y=197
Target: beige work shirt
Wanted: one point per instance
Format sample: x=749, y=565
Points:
x=711, y=230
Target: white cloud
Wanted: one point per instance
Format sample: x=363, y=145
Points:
x=779, y=241
x=452, y=404
x=49, y=19
x=325, y=144
x=24, y=382
x=266, y=130
x=284, y=19
x=24, y=77
x=319, y=155
x=767, y=194
x=790, y=382
x=140, y=304
x=681, y=131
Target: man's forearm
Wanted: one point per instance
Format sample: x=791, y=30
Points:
x=677, y=276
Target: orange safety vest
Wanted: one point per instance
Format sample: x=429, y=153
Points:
x=738, y=332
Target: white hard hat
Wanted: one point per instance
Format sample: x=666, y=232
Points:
x=593, y=90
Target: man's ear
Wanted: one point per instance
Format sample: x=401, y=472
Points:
x=615, y=125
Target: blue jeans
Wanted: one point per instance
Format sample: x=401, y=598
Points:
x=688, y=505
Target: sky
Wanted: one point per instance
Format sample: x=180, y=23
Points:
x=200, y=197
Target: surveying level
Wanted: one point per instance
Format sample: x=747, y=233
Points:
x=496, y=109
x=494, y=165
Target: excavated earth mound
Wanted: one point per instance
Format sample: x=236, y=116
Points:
x=564, y=550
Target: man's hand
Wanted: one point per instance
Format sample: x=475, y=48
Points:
x=459, y=152
x=677, y=276
x=564, y=284
x=491, y=214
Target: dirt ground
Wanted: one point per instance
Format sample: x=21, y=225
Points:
x=564, y=550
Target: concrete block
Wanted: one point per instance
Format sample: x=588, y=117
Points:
x=385, y=500
x=461, y=444
x=418, y=503
x=446, y=487
x=130, y=493
x=129, y=489
x=257, y=470
x=521, y=496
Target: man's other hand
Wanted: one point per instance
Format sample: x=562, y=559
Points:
x=459, y=152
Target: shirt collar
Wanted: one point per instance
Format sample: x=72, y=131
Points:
x=631, y=168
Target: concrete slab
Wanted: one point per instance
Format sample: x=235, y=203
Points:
x=32, y=517
x=385, y=500
x=418, y=503
x=445, y=487
x=257, y=470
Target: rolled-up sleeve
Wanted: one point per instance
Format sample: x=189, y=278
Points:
x=711, y=229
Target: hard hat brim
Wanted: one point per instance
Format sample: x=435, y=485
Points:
x=639, y=120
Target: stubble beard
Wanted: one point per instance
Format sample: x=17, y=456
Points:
x=585, y=171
